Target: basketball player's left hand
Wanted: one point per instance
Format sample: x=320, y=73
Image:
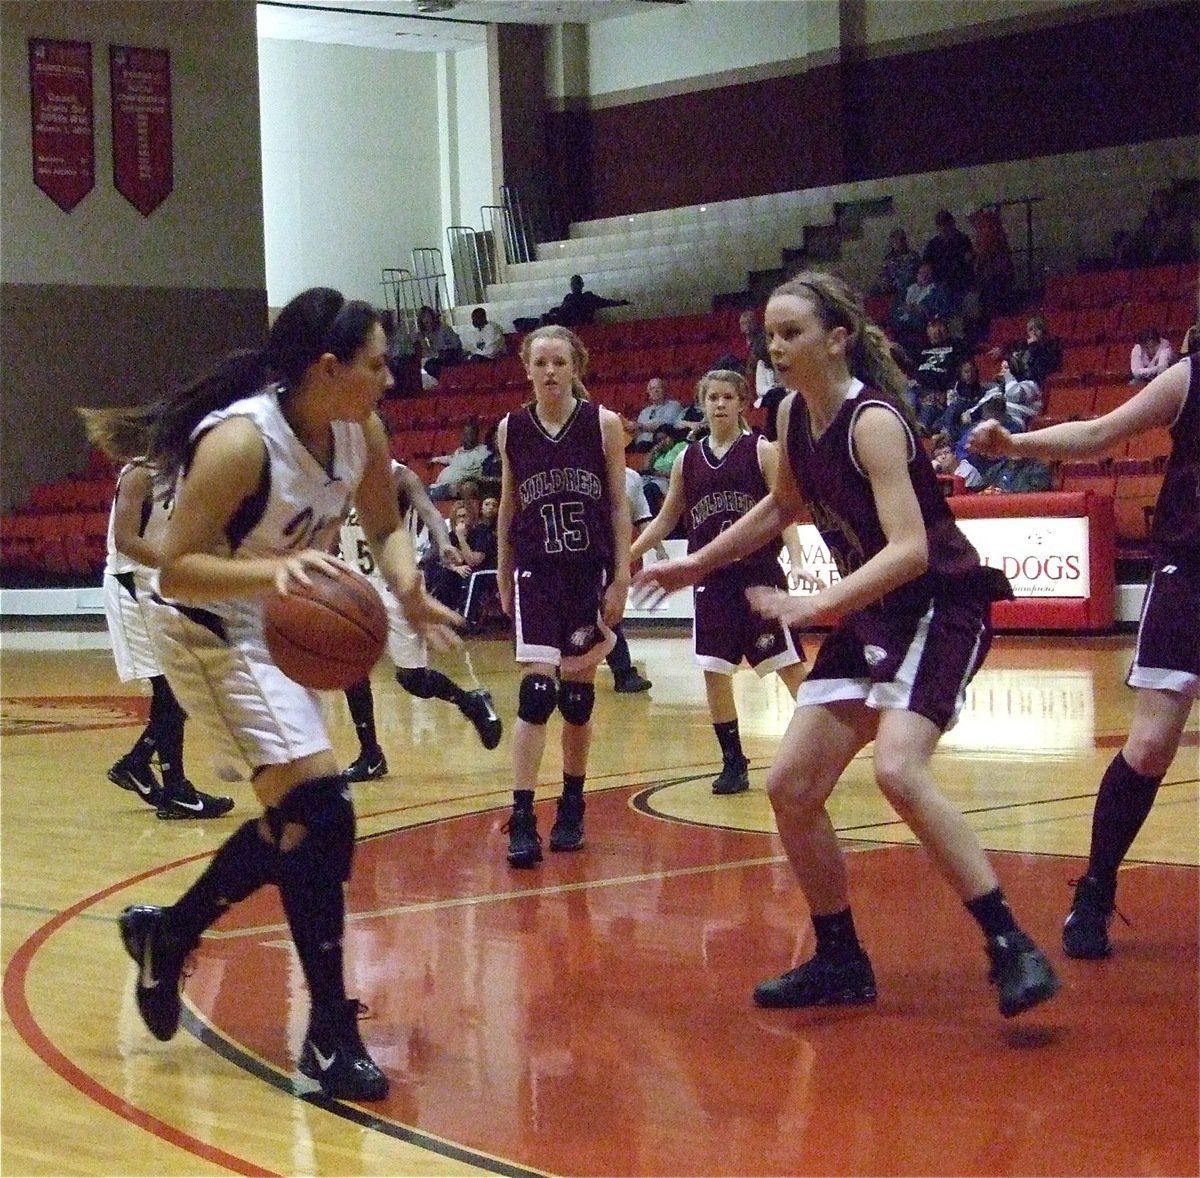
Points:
x=781, y=606
x=295, y=570
x=612, y=608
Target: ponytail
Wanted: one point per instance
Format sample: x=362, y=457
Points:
x=318, y=321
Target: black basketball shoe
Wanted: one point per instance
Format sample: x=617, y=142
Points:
x=1085, y=931
x=369, y=765
x=334, y=1056
x=821, y=982
x=567, y=832
x=524, y=842
x=138, y=778
x=1021, y=972
x=160, y=961
x=186, y=801
x=477, y=707
x=734, y=777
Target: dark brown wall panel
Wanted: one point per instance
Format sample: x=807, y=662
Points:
x=1079, y=86
x=63, y=346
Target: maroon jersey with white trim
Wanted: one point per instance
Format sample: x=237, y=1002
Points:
x=834, y=484
x=562, y=511
x=1175, y=531
x=719, y=491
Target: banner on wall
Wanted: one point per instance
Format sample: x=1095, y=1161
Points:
x=143, y=163
x=60, y=102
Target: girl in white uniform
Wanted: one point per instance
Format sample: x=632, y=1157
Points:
x=135, y=527
x=406, y=647
x=272, y=450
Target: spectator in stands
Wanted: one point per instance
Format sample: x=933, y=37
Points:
x=483, y=340
x=1166, y=664
x=962, y=396
x=1024, y=398
x=950, y=253
x=1191, y=340
x=899, y=269
x=1165, y=234
x=473, y=534
x=995, y=274
x=492, y=466
x=665, y=449
x=579, y=306
x=1034, y=358
x=1151, y=355
x=924, y=300
x=466, y=463
x=937, y=369
x=437, y=343
x=748, y=352
x=659, y=411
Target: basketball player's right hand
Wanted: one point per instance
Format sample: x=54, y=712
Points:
x=655, y=581
x=436, y=623
x=990, y=439
x=297, y=569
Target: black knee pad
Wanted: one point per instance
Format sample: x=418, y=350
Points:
x=535, y=702
x=575, y=701
x=416, y=681
x=323, y=807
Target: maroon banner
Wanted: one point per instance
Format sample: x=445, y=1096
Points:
x=143, y=158
x=60, y=102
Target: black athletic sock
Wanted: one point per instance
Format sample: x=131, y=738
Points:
x=167, y=718
x=992, y=913
x=1122, y=805
x=426, y=683
x=244, y=862
x=147, y=744
x=730, y=740
x=836, y=937
x=572, y=785
x=619, y=660
x=361, y=703
x=522, y=799
x=316, y=914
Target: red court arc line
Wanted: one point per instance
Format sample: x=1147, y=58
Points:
x=17, y=1007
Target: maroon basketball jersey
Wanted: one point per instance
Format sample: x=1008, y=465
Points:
x=837, y=489
x=1175, y=532
x=562, y=511
x=719, y=491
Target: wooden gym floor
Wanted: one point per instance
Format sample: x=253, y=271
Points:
x=593, y=1016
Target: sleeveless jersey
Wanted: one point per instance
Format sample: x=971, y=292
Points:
x=562, y=512
x=298, y=504
x=353, y=545
x=1175, y=530
x=830, y=478
x=152, y=526
x=719, y=491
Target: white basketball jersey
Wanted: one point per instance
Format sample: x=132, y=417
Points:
x=353, y=541
x=115, y=560
x=299, y=504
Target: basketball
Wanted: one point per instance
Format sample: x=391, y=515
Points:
x=327, y=636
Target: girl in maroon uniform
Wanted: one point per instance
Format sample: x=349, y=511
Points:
x=714, y=482
x=1166, y=661
x=912, y=624
x=563, y=571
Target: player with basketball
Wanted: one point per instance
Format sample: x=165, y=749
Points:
x=563, y=571
x=406, y=648
x=713, y=483
x=1165, y=672
x=912, y=622
x=135, y=525
x=273, y=448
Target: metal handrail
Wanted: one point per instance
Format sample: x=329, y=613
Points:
x=467, y=264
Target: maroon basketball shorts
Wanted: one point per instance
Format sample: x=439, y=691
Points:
x=556, y=616
x=915, y=663
x=726, y=629
x=1167, y=655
